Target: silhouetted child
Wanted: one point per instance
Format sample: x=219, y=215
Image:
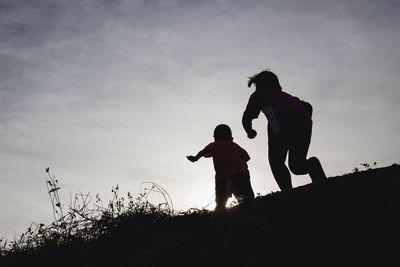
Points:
x=230, y=163
x=289, y=129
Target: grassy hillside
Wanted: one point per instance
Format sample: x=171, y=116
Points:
x=351, y=220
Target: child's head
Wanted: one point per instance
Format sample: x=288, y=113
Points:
x=222, y=133
x=265, y=80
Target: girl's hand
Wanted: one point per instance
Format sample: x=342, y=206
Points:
x=191, y=158
x=251, y=134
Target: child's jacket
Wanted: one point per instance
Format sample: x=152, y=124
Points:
x=285, y=112
x=228, y=158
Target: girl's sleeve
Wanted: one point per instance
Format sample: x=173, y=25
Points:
x=251, y=112
x=308, y=106
x=252, y=109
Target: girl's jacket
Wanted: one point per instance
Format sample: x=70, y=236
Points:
x=285, y=113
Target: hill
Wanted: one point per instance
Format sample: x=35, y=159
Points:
x=350, y=220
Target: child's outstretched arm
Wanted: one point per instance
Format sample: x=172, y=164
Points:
x=197, y=157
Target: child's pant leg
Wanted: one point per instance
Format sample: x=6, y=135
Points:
x=241, y=186
x=223, y=191
x=277, y=151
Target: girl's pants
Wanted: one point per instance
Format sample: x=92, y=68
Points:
x=296, y=144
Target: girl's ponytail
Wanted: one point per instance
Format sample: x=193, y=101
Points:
x=250, y=82
x=265, y=79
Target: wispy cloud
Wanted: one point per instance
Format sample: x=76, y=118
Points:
x=112, y=92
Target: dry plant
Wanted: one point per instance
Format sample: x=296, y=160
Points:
x=85, y=220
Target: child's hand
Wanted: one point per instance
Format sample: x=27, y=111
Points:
x=191, y=158
x=251, y=134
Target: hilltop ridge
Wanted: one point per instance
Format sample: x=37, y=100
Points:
x=349, y=220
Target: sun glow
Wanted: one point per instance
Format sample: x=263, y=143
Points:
x=230, y=203
x=205, y=199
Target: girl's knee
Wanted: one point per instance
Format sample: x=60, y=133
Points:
x=313, y=160
x=298, y=167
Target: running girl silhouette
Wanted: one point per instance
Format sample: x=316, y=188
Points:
x=289, y=129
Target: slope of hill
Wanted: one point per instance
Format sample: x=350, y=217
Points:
x=350, y=220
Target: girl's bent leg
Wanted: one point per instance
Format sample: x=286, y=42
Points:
x=316, y=171
x=277, y=152
x=298, y=162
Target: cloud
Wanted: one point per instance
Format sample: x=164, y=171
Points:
x=109, y=92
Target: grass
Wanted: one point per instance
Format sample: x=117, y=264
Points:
x=349, y=220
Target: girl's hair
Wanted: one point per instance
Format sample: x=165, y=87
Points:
x=222, y=133
x=265, y=79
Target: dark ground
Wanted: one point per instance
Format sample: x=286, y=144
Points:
x=351, y=220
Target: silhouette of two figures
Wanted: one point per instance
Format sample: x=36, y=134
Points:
x=289, y=134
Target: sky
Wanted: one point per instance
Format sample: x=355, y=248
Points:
x=110, y=93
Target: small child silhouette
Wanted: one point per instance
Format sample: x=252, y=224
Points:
x=230, y=163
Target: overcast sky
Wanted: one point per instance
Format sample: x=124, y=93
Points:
x=119, y=92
